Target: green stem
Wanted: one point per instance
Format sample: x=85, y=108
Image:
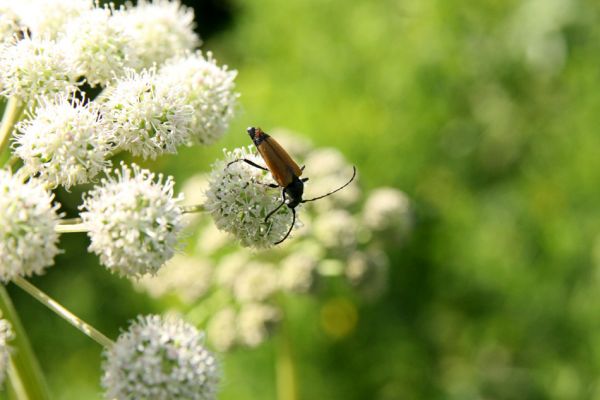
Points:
x=193, y=209
x=287, y=386
x=71, y=228
x=71, y=318
x=26, y=378
x=12, y=113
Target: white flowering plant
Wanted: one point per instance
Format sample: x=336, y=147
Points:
x=82, y=83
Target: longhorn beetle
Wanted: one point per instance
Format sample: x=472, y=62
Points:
x=285, y=172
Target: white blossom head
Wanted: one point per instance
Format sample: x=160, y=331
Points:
x=6, y=335
x=189, y=278
x=160, y=29
x=336, y=229
x=256, y=322
x=239, y=201
x=149, y=117
x=255, y=282
x=221, y=329
x=28, y=241
x=388, y=210
x=65, y=142
x=133, y=220
x=98, y=47
x=297, y=273
x=47, y=17
x=35, y=67
x=210, y=90
x=368, y=272
x=230, y=266
x=160, y=358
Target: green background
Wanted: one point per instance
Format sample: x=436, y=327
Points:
x=486, y=114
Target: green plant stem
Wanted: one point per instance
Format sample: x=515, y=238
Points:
x=193, y=209
x=71, y=228
x=25, y=375
x=68, y=316
x=287, y=387
x=12, y=113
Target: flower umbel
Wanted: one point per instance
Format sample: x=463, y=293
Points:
x=238, y=200
x=133, y=221
x=149, y=117
x=160, y=359
x=65, y=143
x=28, y=241
x=6, y=335
x=209, y=89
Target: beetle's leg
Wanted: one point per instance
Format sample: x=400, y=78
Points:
x=291, y=227
x=271, y=185
x=304, y=179
x=278, y=207
x=252, y=163
x=302, y=167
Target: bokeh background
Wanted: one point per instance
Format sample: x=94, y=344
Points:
x=486, y=113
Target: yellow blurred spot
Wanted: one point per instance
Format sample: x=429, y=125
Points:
x=338, y=317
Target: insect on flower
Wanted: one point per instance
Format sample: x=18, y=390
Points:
x=285, y=172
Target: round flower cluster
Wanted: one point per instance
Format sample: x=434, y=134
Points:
x=133, y=221
x=149, y=116
x=65, y=142
x=28, y=241
x=208, y=88
x=239, y=199
x=160, y=358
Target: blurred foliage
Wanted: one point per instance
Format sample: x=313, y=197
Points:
x=486, y=114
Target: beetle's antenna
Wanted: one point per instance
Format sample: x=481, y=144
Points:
x=291, y=227
x=275, y=210
x=336, y=190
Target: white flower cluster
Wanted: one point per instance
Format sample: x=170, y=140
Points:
x=160, y=358
x=65, y=142
x=6, y=335
x=239, y=200
x=133, y=221
x=334, y=242
x=28, y=241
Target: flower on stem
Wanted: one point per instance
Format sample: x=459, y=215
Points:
x=6, y=335
x=34, y=67
x=133, y=221
x=256, y=322
x=210, y=90
x=149, y=117
x=160, y=29
x=28, y=241
x=98, y=47
x=255, y=282
x=47, y=17
x=238, y=200
x=160, y=358
x=66, y=142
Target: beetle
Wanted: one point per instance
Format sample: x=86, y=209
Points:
x=285, y=172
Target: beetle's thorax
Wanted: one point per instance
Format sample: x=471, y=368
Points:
x=294, y=192
x=257, y=135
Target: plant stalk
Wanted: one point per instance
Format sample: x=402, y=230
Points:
x=12, y=113
x=62, y=312
x=25, y=375
x=287, y=386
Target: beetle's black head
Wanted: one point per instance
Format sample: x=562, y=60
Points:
x=294, y=192
x=252, y=132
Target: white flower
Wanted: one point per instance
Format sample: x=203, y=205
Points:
x=187, y=277
x=229, y=268
x=160, y=29
x=256, y=282
x=133, y=221
x=6, y=335
x=28, y=241
x=210, y=90
x=160, y=359
x=34, y=67
x=221, y=330
x=238, y=200
x=256, y=322
x=388, y=209
x=368, y=272
x=47, y=17
x=149, y=117
x=297, y=273
x=99, y=48
x=336, y=229
x=66, y=142
x=10, y=23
